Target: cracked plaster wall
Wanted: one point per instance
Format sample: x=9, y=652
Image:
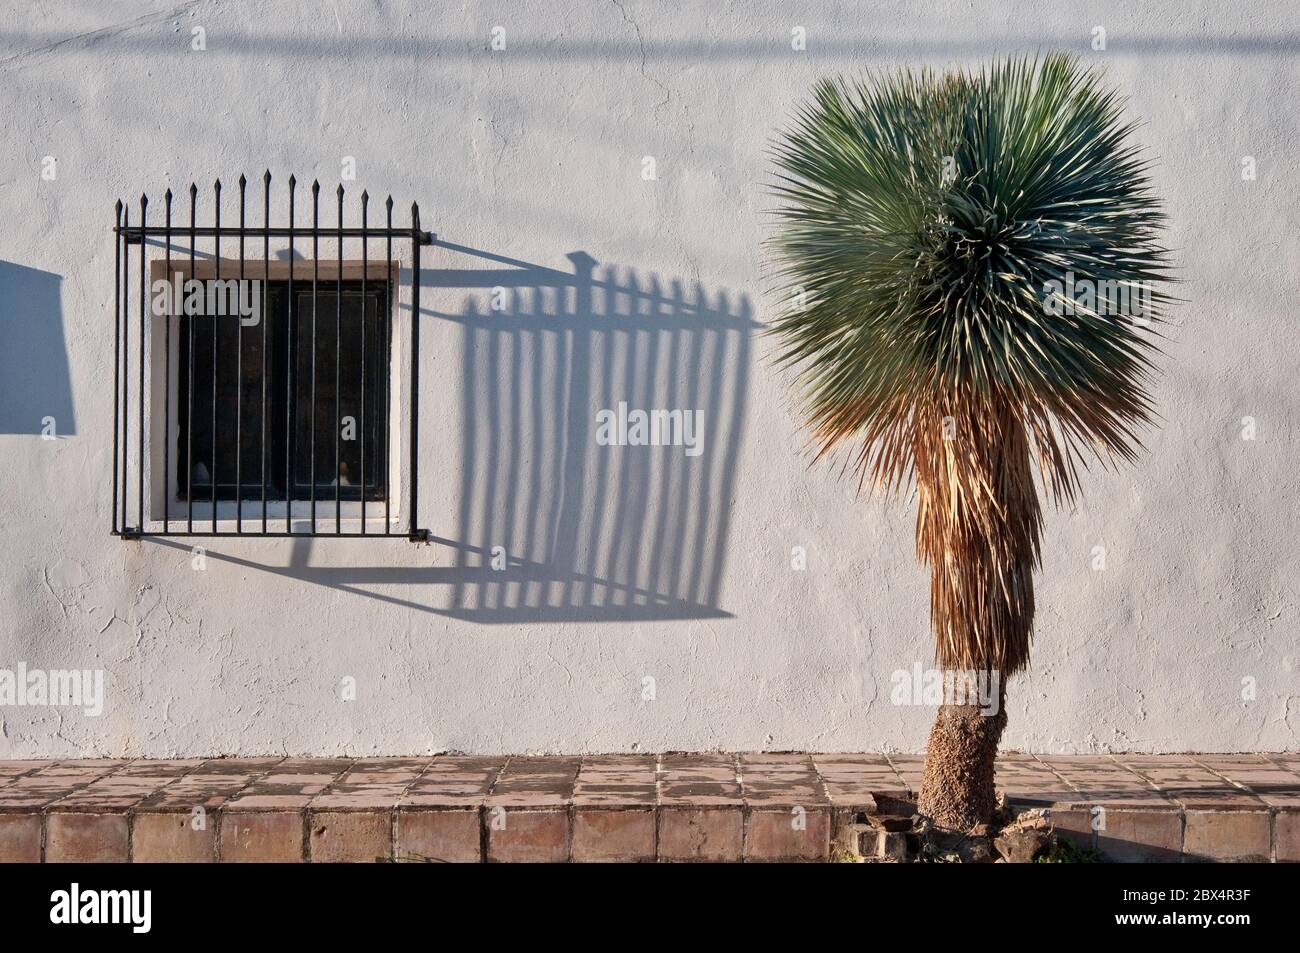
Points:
x=535, y=152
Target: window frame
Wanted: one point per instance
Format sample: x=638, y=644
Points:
x=245, y=519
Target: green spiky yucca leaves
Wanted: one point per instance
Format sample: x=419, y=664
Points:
x=935, y=233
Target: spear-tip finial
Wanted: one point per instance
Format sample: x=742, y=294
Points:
x=266, y=177
x=243, y=181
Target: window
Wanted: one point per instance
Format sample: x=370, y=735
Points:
x=258, y=395
x=325, y=407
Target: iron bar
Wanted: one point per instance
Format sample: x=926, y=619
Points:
x=139, y=463
x=291, y=365
x=212, y=464
x=365, y=268
x=266, y=270
x=167, y=369
x=315, y=280
x=189, y=382
x=117, y=349
x=239, y=372
x=133, y=232
x=126, y=372
x=231, y=534
x=413, y=529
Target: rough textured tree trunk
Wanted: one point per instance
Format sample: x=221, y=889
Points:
x=978, y=528
x=957, y=790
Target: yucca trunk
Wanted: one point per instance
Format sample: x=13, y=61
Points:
x=957, y=791
x=978, y=527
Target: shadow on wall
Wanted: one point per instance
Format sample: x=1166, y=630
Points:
x=601, y=421
x=599, y=432
x=35, y=46
x=35, y=387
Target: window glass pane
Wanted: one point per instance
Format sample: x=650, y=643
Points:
x=338, y=330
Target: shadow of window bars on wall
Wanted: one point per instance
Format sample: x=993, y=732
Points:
x=255, y=389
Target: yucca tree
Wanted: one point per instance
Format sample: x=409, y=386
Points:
x=971, y=269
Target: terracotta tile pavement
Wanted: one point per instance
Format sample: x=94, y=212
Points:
x=680, y=807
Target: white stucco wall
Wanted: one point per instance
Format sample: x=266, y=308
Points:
x=534, y=153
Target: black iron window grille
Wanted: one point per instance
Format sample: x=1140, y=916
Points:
x=255, y=395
